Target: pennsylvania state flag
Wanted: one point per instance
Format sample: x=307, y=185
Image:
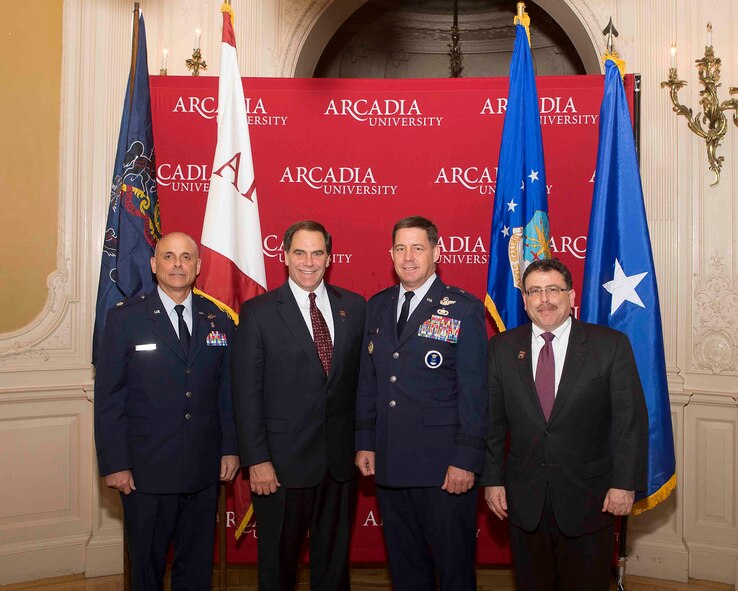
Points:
x=520, y=230
x=133, y=225
x=619, y=281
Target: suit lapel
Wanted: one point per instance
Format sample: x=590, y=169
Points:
x=295, y=324
x=576, y=353
x=339, y=329
x=523, y=352
x=200, y=328
x=390, y=314
x=162, y=325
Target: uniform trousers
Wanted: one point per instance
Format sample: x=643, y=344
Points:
x=284, y=519
x=431, y=536
x=548, y=560
x=153, y=522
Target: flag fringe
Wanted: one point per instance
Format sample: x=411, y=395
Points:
x=492, y=309
x=245, y=521
x=659, y=496
x=224, y=307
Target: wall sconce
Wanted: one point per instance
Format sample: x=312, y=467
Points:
x=713, y=111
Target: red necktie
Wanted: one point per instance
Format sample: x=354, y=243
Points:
x=321, y=335
x=546, y=375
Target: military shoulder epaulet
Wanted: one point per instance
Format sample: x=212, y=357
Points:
x=458, y=292
x=130, y=301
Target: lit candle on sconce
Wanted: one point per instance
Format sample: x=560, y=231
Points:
x=709, y=34
x=164, y=55
x=672, y=56
x=198, y=33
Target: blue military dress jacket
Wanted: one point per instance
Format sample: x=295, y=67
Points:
x=422, y=397
x=159, y=412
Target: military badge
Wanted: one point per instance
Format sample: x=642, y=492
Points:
x=446, y=301
x=442, y=312
x=370, y=348
x=433, y=359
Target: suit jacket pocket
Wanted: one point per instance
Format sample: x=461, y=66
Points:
x=139, y=426
x=596, y=468
x=440, y=415
x=274, y=425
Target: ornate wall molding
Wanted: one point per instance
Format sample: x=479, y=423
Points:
x=715, y=322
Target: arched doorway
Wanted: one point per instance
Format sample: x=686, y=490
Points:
x=410, y=38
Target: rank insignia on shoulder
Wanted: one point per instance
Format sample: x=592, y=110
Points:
x=216, y=339
x=446, y=301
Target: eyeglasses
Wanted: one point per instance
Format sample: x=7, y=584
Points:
x=551, y=290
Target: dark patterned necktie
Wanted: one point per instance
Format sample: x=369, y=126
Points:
x=321, y=335
x=546, y=375
x=184, y=333
x=405, y=312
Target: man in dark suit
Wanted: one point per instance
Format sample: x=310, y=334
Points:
x=421, y=415
x=295, y=369
x=164, y=426
x=569, y=395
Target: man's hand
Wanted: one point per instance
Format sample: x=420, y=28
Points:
x=365, y=462
x=122, y=481
x=229, y=466
x=458, y=481
x=263, y=479
x=496, y=500
x=618, y=501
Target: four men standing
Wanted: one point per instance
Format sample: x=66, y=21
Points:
x=407, y=388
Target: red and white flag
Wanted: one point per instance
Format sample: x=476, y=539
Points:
x=232, y=257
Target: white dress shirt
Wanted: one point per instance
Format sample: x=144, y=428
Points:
x=302, y=298
x=169, y=304
x=559, y=345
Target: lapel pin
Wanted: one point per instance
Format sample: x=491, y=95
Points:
x=430, y=300
x=157, y=311
x=342, y=313
x=521, y=354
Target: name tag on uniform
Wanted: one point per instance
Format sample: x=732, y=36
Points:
x=216, y=339
x=440, y=328
x=146, y=347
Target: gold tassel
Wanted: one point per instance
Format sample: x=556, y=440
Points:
x=615, y=59
x=229, y=9
x=522, y=18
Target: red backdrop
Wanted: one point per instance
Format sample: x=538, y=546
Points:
x=357, y=155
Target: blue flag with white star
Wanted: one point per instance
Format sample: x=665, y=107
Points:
x=619, y=288
x=133, y=225
x=520, y=230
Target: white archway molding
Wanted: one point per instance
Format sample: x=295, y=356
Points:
x=319, y=20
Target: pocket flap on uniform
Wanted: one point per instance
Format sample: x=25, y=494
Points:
x=596, y=467
x=443, y=415
x=276, y=425
x=140, y=426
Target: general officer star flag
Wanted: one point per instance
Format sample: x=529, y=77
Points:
x=520, y=229
x=619, y=287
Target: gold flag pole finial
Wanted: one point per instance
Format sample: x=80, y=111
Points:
x=522, y=18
